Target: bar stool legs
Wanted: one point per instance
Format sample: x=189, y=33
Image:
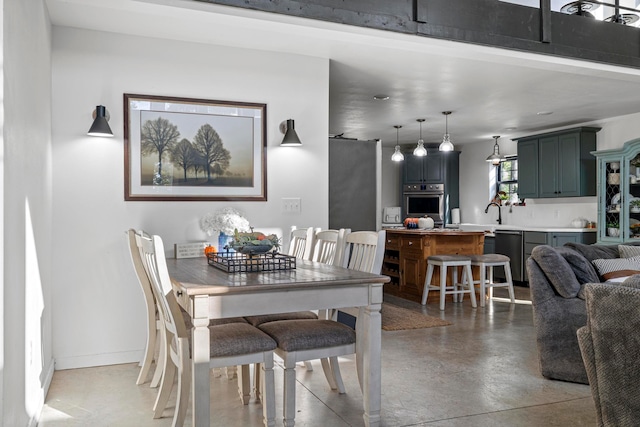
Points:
x=486, y=263
x=455, y=289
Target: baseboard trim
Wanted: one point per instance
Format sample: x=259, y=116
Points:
x=104, y=359
x=33, y=422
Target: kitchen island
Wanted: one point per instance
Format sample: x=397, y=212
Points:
x=406, y=252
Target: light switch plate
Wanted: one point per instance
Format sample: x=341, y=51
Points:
x=291, y=205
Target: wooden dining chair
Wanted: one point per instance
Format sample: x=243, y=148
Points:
x=301, y=243
x=231, y=343
x=364, y=251
x=303, y=340
x=301, y=246
x=328, y=246
x=152, y=351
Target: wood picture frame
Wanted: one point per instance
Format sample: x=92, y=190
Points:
x=186, y=149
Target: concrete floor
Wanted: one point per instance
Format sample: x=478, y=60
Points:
x=480, y=371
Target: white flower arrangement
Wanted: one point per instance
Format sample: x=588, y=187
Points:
x=226, y=220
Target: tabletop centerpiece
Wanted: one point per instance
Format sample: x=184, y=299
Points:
x=253, y=242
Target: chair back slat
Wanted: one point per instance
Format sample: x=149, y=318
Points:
x=364, y=251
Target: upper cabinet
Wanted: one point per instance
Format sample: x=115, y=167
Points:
x=619, y=193
x=557, y=164
x=424, y=170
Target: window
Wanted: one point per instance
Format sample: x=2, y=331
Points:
x=508, y=178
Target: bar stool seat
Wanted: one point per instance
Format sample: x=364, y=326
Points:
x=486, y=263
x=455, y=288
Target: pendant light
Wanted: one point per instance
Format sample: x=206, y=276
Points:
x=446, y=144
x=420, y=151
x=397, y=155
x=495, y=158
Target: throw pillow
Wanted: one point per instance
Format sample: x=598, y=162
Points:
x=628, y=251
x=617, y=267
x=557, y=270
x=582, y=268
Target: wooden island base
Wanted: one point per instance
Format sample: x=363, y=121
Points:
x=406, y=252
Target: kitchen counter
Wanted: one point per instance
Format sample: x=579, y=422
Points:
x=493, y=227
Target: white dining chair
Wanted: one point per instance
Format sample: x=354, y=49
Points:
x=364, y=251
x=300, y=246
x=231, y=343
x=152, y=351
x=328, y=246
x=301, y=242
x=304, y=340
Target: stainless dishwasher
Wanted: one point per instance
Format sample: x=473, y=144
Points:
x=510, y=243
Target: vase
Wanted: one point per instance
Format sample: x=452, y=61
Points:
x=224, y=240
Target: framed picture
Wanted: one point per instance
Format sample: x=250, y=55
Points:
x=181, y=149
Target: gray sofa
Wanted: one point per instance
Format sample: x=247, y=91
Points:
x=556, y=279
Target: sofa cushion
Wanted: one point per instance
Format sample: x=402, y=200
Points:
x=582, y=268
x=618, y=267
x=628, y=251
x=557, y=270
x=591, y=252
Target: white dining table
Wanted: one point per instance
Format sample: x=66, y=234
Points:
x=207, y=292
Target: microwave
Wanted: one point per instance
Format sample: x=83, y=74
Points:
x=424, y=200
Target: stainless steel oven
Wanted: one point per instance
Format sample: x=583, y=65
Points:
x=421, y=200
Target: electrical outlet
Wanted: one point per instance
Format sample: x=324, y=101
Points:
x=291, y=205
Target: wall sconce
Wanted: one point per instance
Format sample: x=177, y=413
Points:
x=100, y=126
x=290, y=136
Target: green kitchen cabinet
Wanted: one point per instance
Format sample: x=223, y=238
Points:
x=557, y=164
x=424, y=170
x=528, y=168
x=553, y=238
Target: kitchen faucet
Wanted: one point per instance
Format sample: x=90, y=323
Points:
x=499, y=211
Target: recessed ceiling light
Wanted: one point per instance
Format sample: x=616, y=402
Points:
x=510, y=129
x=380, y=97
x=544, y=113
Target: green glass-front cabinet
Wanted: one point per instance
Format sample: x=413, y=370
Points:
x=619, y=193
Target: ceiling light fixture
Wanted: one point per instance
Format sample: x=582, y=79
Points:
x=100, y=126
x=420, y=151
x=446, y=144
x=495, y=158
x=397, y=155
x=381, y=97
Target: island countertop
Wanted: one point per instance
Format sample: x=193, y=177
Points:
x=434, y=231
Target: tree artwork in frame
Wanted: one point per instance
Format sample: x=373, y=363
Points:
x=185, y=149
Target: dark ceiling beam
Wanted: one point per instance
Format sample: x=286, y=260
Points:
x=485, y=22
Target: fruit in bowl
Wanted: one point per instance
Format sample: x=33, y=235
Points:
x=254, y=242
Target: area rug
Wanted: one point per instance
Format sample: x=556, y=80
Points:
x=396, y=318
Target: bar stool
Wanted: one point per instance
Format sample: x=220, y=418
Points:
x=445, y=261
x=488, y=262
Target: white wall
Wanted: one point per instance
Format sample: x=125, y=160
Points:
x=100, y=310
x=26, y=209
